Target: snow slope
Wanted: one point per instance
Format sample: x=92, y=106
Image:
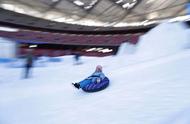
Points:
x=141, y=91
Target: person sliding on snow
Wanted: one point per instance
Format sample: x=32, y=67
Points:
x=96, y=77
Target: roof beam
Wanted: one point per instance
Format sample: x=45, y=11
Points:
x=127, y=12
x=88, y=11
x=53, y=5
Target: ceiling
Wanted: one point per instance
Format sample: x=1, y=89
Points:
x=104, y=13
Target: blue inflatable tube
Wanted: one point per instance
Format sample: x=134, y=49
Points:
x=94, y=87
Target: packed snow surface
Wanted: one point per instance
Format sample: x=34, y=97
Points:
x=148, y=88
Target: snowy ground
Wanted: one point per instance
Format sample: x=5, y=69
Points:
x=141, y=91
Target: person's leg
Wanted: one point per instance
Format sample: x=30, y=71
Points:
x=26, y=71
x=84, y=83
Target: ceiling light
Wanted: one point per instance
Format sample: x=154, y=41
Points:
x=129, y=5
x=55, y=1
x=79, y=3
x=87, y=7
x=119, y=1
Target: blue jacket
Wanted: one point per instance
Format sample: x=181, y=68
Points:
x=96, y=75
x=92, y=79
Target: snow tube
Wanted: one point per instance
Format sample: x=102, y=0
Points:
x=94, y=87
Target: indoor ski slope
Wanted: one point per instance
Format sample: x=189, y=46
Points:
x=144, y=89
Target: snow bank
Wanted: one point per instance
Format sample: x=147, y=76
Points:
x=8, y=49
x=163, y=40
x=126, y=48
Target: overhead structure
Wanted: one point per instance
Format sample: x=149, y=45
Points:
x=104, y=13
